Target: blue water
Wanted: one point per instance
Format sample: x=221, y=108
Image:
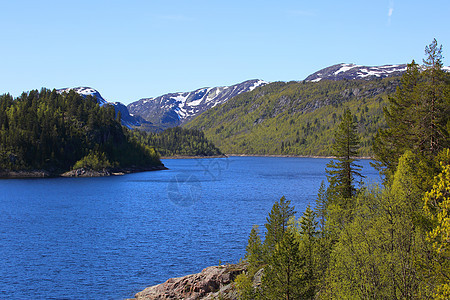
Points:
x=85, y=238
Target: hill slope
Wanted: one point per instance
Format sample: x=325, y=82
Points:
x=295, y=118
x=56, y=132
x=174, y=109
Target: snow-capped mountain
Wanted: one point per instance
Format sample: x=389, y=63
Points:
x=173, y=109
x=85, y=91
x=127, y=120
x=352, y=71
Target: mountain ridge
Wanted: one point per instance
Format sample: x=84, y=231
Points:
x=174, y=109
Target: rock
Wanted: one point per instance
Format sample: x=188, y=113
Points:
x=211, y=283
x=83, y=172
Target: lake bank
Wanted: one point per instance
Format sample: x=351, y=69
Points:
x=81, y=172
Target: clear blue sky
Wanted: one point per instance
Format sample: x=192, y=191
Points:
x=129, y=50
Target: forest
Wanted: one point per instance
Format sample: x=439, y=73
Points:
x=369, y=242
x=296, y=118
x=57, y=132
x=178, y=141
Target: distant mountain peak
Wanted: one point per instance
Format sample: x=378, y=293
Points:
x=85, y=91
x=173, y=109
x=126, y=120
x=353, y=71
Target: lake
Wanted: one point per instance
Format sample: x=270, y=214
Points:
x=110, y=237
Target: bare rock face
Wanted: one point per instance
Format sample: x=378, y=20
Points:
x=212, y=282
x=83, y=172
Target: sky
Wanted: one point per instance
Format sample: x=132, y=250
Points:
x=131, y=49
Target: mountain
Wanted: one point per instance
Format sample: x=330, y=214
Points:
x=352, y=72
x=85, y=91
x=296, y=118
x=53, y=133
x=175, y=109
x=126, y=119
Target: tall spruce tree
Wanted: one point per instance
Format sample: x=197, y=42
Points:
x=283, y=276
x=254, y=251
x=418, y=115
x=344, y=172
x=277, y=223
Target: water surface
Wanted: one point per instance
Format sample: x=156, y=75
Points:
x=110, y=237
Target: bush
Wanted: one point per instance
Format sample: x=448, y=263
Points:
x=94, y=160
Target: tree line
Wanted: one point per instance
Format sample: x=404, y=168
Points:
x=361, y=242
x=178, y=141
x=296, y=118
x=56, y=132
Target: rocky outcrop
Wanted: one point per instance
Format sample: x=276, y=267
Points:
x=214, y=282
x=83, y=172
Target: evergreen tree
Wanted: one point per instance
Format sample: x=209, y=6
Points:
x=343, y=173
x=283, y=276
x=321, y=206
x=418, y=115
x=308, y=247
x=277, y=223
x=254, y=251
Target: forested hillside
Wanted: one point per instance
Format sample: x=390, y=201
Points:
x=296, y=118
x=178, y=141
x=57, y=132
x=366, y=242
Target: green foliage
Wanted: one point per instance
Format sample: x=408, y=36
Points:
x=94, y=161
x=437, y=208
x=283, y=276
x=254, y=251
x=418, y=115
x=343, y=172
x=244, y=287
x=321, y=206
x=52, y=131
x=296, y=118
x=178, y=141
x=277, y=223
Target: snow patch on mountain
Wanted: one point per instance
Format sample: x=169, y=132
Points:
x=126, y=119
x=85, y=91
x=177, y=108
x=352, y=71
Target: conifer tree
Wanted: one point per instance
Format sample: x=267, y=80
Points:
x=343, y=173
x=254, y=251
x=283, y=276
x=277, y=223
x=418, y=115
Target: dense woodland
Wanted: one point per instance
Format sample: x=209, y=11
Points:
x=57, y=132
x=178, y=141
x=361, y=242
x=296, y=118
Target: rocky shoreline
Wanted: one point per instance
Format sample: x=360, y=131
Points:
x=216, y=282
x=82, y=172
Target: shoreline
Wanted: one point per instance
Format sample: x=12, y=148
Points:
x=294, y=156
x=193, y=156
x=257, y=155
x=78, y=173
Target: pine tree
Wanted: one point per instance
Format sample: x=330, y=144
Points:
x=277, y=223
x=343, y=173
x=254, y=251
x=283, y=276
x=321, y=206
x=308, y=246
x=418, y=115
